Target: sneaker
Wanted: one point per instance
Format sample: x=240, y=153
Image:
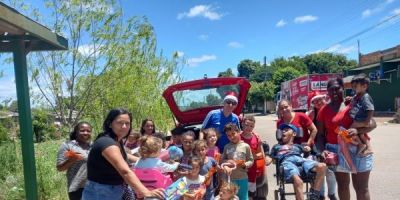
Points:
x=332, y=197
x=313, y=195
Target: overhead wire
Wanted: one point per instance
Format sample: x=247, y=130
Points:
x=364, y=30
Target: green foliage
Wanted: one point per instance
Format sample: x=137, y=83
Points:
x=284, y=74
x=261, y=92
x=135, y=78
x=111, y=62
x=213, y=100
x=3, y=133
x=293, y=62
x=247, y=67
x=261, y=74
x=43, y=127
x=51, y=183
x=327, y=63
x=227, y=73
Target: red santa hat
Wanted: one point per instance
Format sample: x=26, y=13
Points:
x=231, y=96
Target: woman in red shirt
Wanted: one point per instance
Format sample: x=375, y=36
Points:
x=308, y=131
x=330, y=117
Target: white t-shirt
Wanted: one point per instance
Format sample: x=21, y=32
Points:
x=194, y=184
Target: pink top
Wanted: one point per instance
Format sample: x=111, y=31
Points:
x=212, y=151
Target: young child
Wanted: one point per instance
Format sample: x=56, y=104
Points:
x=187, y=146
x=209, y=167
x=227, y=192
x=194, y=180
x=149, y=151
x=289, y=156
x=239, y=153
x=211, y=136
x=132, y=141
x=176, y=135
x=362, y=110
x=252, y=139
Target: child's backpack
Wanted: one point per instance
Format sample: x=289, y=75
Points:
x=152, y=179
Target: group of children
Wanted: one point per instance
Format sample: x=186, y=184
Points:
x=209, y=173
x=230, y=173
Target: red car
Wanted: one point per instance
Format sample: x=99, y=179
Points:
x=191, y=101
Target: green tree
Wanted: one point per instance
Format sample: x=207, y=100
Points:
x=261, y=92
x=111, y=62
x=284, y=74
x=213, y=100
x=227, y=73
x=261, y=74
x=325, y=62
x=247, y=67
x=295, y=62
x=134, y=79
x=13, y=106
x=43, y=127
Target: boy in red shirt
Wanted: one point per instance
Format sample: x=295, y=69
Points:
x=253, y=140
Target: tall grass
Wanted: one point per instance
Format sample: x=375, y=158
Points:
x=51, y=183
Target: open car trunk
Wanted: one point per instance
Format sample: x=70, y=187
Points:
x=191, y=101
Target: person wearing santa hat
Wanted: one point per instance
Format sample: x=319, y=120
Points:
x=219, y=117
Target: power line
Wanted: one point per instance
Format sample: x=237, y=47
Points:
x=364, y=31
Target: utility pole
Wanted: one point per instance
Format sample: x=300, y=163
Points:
x=359, y=52
x=265, y=79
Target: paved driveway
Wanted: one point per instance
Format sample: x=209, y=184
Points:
x=385, y=177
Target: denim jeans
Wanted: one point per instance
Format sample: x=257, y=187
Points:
x=97, y=191
x=330, y=182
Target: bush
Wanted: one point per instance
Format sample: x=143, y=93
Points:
x=51, y=183
x=3, y=133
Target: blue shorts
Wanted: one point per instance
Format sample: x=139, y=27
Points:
x=243, y=188
x=362, y=164
x=290, y=166
x=97, y=191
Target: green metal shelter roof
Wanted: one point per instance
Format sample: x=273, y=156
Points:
x=21, y=35
x=14, y=25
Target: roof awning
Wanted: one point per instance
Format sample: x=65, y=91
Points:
x=393, y=60
x=366, y=66
x=15, y=26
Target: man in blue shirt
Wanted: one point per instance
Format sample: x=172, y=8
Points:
x=218, y=118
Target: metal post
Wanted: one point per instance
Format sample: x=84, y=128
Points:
x=25, y=119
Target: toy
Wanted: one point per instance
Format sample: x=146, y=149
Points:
x=176, y=190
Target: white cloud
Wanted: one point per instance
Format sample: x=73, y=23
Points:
x=203, y=37
x=281, y=23
x=366, y=13
x=204, y=58
x=305, y=19
x=337, y=48
x=396, y=11
x=89, y=49
x=235, y=45
x=392, y=18
x=180, y=54
x=206, y=11
x=379, y=8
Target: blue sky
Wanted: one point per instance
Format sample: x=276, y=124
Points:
x=215, y=35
